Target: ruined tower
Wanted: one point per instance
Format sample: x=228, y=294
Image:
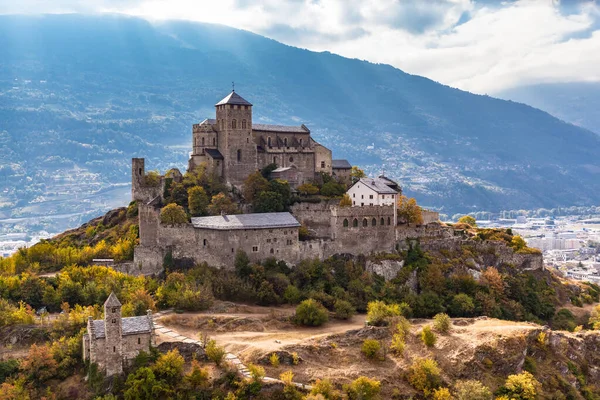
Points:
x=236, y=144
x=113, y=328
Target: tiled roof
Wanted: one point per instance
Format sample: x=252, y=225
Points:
x=280, y=128
x=376, y=184
x=340, y=164
x=130, y=326
x=214, y=153
x=247, y=221
x=112, y=301
x=233, y=98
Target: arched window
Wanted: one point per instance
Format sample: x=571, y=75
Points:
x=204, y=242
x=214, y=141
x=355, y=223
x=239, y=155
x=365, y=222
x=345, y=223
x=243, y=124
x=274, y=160
x=269, y=141
x=373, y=222
x=389, y=221
x=382, y=222
x=285, y=142
x=233, y=124
x=272, y=251
x=139, y=341
x=202, y=141
x=291, y=159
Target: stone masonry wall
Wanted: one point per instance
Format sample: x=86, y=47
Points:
x=315, y=216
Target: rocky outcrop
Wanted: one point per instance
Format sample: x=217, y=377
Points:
x=189, y=351
x=386, y=268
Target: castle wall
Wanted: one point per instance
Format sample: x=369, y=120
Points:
x=363, y=230
x=430, y=216
x=315, y=216
x=304, y=161
x=140, y=191
x=148, y=217
x=322, y=159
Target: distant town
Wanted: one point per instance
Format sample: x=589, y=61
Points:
x=570, y=244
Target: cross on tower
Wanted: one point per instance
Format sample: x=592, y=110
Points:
x=232, y=86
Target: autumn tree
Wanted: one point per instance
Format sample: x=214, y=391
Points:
x=467, y=219
x=197, y=201
x=221, y=203
x=409, y=211
x=308, y=189
x=254, y=184
x=595, y=318
x=521, y=386
x=357, y=173
x=39, y=365
x=518, y=243
x=172, y=214
x=346, y=201
x=493, y=279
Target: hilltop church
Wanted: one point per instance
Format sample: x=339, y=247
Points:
x=233, y=147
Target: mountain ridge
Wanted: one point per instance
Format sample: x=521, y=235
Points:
x=87, y=93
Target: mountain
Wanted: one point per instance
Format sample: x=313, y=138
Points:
x=577, y=102
x=81, y=95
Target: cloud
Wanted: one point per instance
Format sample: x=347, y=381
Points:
x=479, y=45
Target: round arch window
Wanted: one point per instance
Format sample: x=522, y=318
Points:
x=291, y=159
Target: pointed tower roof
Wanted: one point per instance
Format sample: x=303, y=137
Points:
x=234, y=98
x=112, y=301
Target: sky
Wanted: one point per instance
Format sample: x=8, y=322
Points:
x=483, y=46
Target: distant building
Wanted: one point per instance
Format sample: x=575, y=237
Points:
x=342, y=170
x=374, y=192
x=114, y=341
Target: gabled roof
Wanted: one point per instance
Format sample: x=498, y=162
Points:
x=340, y=164
x=214, y=154
x=280, y=128
x=376, y=184
x=233, y=98
x=112, y=301
x=129, y=325
x=247, y=221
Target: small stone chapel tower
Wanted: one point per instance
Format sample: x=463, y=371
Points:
x=114, y=335
x=236, y=143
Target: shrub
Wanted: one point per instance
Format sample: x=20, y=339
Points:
x=343, y=309
x=471, y=390
x=428, y=337
x=274, y=360
x=286, y=377
x=398, y=344
x=332, y=189
x=295, y=358
x=522, y=386
x=173, y=214
x=370, y=348
x=311, y=313
x=325, y=388
x=215, y=352
x=595, y=318
x=363, y=388
x=424, y=375
x=441, y=394
x=308, y=189
x=402, y=326
x=379, y=313
x=462, y=305
x=256, y=372
x=442, y=323
x=346, y=201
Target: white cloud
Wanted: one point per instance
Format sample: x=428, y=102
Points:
x=477, y=45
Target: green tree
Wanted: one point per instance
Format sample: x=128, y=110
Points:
x=221, y=203
x=197, y=201
x=242, y=264
x=282, y=188
x=169, y=367
x=311, y=313
x=333, y=189
x=343, y=309
x=267, y=202
x=408, y=211
x=462, y=305
x=173, y=214
x=143, y=385
x=467, y=219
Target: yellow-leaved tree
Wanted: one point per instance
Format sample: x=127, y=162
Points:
x=408, y=211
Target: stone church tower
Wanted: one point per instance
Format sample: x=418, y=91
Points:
x=236, y=144
x=113, y=328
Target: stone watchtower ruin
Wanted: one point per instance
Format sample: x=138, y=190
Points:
x=113, y=328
